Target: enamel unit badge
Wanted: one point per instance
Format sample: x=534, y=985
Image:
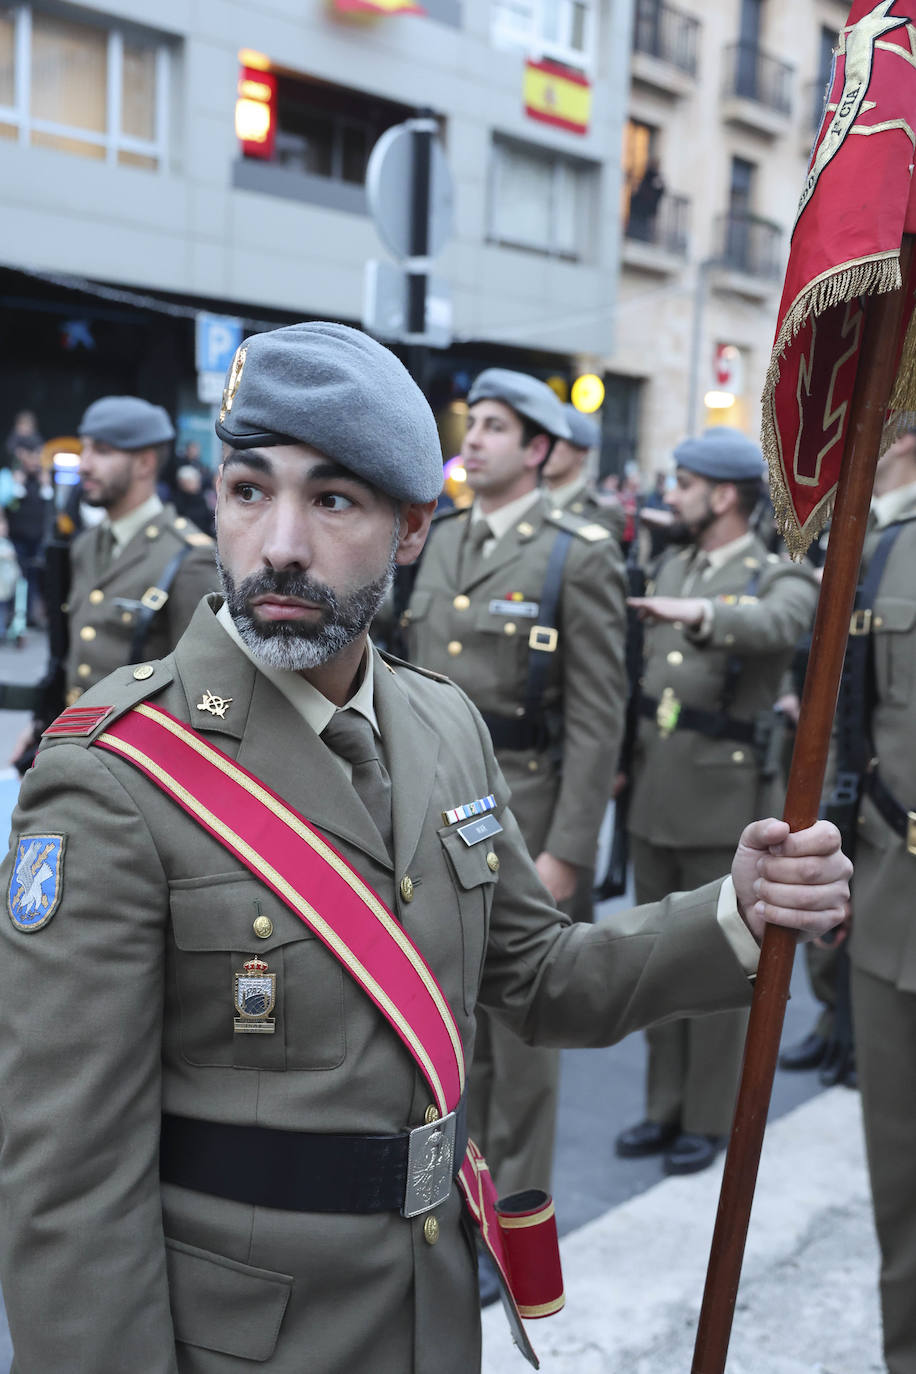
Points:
x=255, y=995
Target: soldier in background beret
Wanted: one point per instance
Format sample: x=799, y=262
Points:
x=223, y=1118
x=569, y=475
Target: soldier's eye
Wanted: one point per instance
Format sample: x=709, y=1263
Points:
x=246, y=492
x=333, y=500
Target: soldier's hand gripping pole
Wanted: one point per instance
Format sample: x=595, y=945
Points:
x=874, y=380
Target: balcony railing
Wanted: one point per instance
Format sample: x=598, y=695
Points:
x=664, y=228
x=752, y=74
x=665, y=33
x=749, y=245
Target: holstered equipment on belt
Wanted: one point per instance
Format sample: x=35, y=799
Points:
x=855, y=770
x=294, y=860
x=531, y=729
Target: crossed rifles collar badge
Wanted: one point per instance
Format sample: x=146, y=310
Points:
x=214, y=705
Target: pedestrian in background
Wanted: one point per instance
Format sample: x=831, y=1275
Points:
x=30, y=516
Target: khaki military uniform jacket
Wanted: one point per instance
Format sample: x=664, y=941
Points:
x=122, y=1006
x=471, y=618
x=104, y=606
x=582, y=501
x=692, y=790
x=884, y=930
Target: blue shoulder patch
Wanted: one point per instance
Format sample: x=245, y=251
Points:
x=37, y=884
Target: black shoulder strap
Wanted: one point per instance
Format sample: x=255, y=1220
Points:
x=152, y=601
x=542, y=641
x=854, y=748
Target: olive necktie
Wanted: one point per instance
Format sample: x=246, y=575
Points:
x=104, y=549
x=350, y=735
x=472, y=552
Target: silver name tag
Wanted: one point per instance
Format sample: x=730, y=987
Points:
x=528, y=610
x=430, y=1166
x=479, y=830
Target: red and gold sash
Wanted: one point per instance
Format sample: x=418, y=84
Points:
x=288, y=855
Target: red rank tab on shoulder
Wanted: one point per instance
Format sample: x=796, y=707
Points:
x=78, y=720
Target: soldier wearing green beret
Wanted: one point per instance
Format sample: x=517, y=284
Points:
x=522, y=603
x=722, y=622
x=137, y=577
x=220, y=1126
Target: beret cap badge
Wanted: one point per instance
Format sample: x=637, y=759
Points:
x=232, y=381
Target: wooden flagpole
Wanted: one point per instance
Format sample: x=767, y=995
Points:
x=884, y=316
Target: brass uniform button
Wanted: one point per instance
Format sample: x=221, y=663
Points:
x=461, y=603
x=510, y=627
x=532, y=765
x=492, y=862
x=96, y=597
x=85, y=671
x=431, y=1230
x=143, y=672
x=729, y=639
x=87, y=632
x=454, y=647
x=181, y=523
x=738, y=756
x=675, y=657
x=878, y=621
x=407, y=888
x=126, y=617
x=152, y=531
x=73, y=695
x=431, y=1114
x=263, y=927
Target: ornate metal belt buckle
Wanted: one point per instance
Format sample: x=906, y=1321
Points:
x=430, y=1165
x=911, y=832
x=154, y=598
x=860, y=622
x=543, y=637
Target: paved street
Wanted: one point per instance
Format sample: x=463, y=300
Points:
x=635, y=1244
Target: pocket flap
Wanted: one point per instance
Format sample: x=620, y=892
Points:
x=222, y=1305
x=894, y=613
x=469, y=862
x=213, y=914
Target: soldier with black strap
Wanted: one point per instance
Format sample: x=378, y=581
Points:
x=522, y=604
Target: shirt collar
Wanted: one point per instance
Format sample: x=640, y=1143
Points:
x=561, y=496
x=132, y=523
x=312, y=706
x=886, y=508
x=717, y=558
x=502, y=520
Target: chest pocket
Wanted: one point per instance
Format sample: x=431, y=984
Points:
x=213, y=926
x=474, y=882
x=894, y=649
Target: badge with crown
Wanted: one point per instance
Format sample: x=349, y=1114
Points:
x=255, y=996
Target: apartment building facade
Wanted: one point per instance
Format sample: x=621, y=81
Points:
x=724, y=103
x=130, y=202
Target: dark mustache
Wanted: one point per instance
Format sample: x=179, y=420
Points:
x=268, y=583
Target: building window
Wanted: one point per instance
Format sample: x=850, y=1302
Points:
x=82, y=88
x=542, y=200
x=329, y=131
x=563, y=29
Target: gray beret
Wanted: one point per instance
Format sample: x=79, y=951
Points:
x=337, y=390
x=722, y=454
x=525, y=394
x=126, y=422
x=584, y=431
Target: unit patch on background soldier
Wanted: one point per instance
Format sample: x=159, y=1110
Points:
x=36, y=885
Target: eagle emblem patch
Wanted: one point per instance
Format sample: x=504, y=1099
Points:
x=37, y=884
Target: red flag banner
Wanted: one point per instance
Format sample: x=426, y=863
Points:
x=854, y=210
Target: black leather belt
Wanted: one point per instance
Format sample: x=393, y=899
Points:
x=511, y=732
x=897, y=816
x=705, y=722
x=294, y=1171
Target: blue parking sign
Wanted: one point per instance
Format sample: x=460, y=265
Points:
x=216, y=339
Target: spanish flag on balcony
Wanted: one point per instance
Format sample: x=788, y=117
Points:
x=376, y=7
x=556, y=95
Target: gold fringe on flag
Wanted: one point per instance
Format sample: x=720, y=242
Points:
x=864, y=276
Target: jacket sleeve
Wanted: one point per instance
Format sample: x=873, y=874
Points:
x=593, y=623
x=773, y=623
x=560, y=983
x=195, y=578
x=83, y=1255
